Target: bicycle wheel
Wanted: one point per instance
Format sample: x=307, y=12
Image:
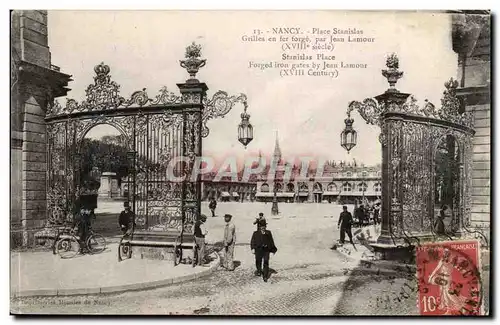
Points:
x=68, y=247
x=96, y=244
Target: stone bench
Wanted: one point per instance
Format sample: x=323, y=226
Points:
x=157, y=245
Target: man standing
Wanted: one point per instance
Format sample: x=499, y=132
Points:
x=345, y=223
x=229, y=242
x=84, y=226
x=376, y=213
x=262, y=244
x=259, y=219
x=126, y=218
x=212, y=205
x=360, y=215
x=200, y=232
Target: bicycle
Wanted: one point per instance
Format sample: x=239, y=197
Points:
x=68, y=245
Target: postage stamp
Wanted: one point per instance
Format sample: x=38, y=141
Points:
x=449, y=279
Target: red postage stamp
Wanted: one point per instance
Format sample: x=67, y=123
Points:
x=449, y=279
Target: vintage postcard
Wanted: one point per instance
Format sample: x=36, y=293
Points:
x=241, y=163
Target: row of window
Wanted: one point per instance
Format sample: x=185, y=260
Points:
x=346, y=187
x=363, y=174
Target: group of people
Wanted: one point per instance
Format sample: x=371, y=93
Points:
x=362, y=214
x=261, y=244
x=346, y=221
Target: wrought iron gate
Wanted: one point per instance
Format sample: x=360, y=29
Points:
x=158, y=132
x=414, y=166
x=163, y=136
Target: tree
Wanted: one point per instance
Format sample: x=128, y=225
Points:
x=107, y=156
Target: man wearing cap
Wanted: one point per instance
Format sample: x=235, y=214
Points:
x=259, y=219
x=200, y=231
x=229, y=242
x=345, y=224
x=262, y=243
x=126, y=218
x=212, y=205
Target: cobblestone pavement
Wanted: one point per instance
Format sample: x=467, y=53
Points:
x=309, y=278
x=306, y=289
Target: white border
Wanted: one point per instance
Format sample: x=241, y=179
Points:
x=200, y=4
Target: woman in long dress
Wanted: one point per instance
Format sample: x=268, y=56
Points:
x=442, y=276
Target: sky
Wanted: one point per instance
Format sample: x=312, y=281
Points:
x=143, y=49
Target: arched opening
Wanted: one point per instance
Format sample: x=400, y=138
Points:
x=264, y=187
x=290, y=187
x=318, y=192
x=447, y=185
x=332, y=187
x=279, y=187
x=103, y=167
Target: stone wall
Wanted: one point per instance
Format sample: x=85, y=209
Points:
x=34, y=37
x=34, y=167
x=33, y=85
x=481, y=168
x=473, y=46
x=15, y=187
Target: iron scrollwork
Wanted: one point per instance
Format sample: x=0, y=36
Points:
x=218, y=106
x=104, y=94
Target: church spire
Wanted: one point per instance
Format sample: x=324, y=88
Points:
x=277, y=150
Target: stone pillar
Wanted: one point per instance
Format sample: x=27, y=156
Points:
x=108, y=185
x=391, y=210
x=193, y=93
x=34, y=165
x=310, y=189
x=115, y=191
x=34, y=85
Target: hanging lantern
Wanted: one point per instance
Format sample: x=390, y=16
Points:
x=348, y=137
x=245, y=129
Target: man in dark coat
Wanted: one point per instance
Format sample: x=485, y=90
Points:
x=212, y=205
x=126, y=218
x=345, y=223
x=259, y=219
x=262, y=244
x=360, y=215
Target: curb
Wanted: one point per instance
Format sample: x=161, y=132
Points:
x=387, y=265
x=117, y=288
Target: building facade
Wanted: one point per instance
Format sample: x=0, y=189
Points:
x=471, y=38
x=342, y=185
x=228, y=191
x=35, y=82
x=347, y=183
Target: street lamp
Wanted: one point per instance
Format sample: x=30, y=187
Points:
x=274, y=208
x=348, y=137
x=245, y=129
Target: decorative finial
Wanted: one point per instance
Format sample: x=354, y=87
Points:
x=451, y=84
x=102, y=73
x=392, y=73
x=392, y=61
x=192, y=63
x=101, y=69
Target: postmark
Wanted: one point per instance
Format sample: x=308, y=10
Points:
x=449, y=279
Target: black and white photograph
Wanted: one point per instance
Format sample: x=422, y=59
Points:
x=250, y=163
